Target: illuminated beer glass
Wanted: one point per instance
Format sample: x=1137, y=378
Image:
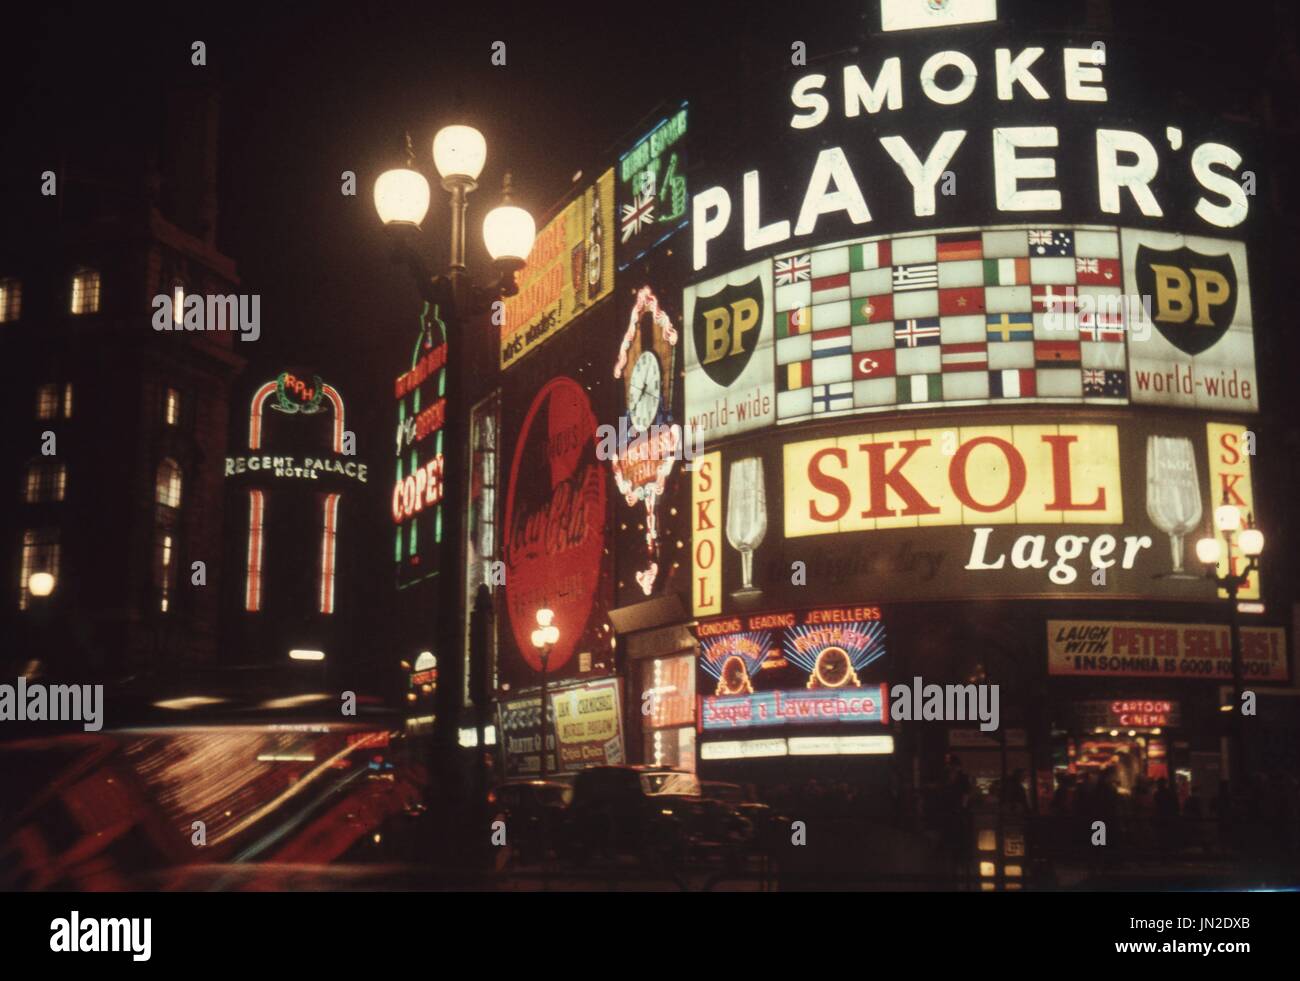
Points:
x=746, y=515
x=1173, y=493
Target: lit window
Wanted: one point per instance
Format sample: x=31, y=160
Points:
x=67, y=401
x=40, y=554
x=172, y=407
x=164, y=566
x=253, y=583
x=178, y=304
x=46, y=482
x=85, y=291
x=167, y=487
x=11, y=300
x=47, y=402
x=329, y=534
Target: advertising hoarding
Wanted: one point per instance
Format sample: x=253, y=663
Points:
x=1200, y=350
x=1125, y=649
x=556, y=506
x=729, y=344
x=570, y=268
x=1106, y=508
x=584, y=727
x=809, y=667
x=645, y=442
x=978, y=316
x=971, y=127
x=653, y=202
x=418, y=482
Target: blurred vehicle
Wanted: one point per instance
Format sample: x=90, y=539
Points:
x=532, y=811
x=626, y=810
x=768, y=824
x=714, y=831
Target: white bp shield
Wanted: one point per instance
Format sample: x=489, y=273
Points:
x=729, y=353
x=1195, y=345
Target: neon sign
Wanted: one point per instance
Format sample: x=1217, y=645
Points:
x=647, y=362
x=418, y=479
x=652, y=198
x=293, y=395
x=792, y=668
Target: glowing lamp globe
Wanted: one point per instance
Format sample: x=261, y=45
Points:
x=1251, y=542
x=459, y=152
x=1207, y=550
x=401, y=197
x=1227, y=517
x=508, y=233
x=40, y=584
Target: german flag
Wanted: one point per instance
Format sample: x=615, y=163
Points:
x=966, y=245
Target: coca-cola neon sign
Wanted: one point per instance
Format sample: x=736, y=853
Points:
x=554, y=521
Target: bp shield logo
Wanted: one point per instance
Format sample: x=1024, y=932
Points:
x=1193, y=296
x=726, y=329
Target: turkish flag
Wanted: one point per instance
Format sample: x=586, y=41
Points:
x=873, y=364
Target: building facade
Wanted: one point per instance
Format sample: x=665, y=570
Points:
x=113, y=454
x=925, y=363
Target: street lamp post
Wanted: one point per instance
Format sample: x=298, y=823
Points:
x=1250, y=540
x=40, y=585
x=545, y=637
x=402, y=200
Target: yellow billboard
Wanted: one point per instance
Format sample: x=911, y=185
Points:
x=1013, y=475
x=1230, y=484
x=570, y=268
x=706, y=537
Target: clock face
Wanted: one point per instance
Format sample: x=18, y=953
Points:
x=833, y=667
x=734, y=676
x=643, y=390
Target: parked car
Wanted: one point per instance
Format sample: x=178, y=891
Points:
x=532, y=811
x=768, y=824
x=620, y=810
x=714, y=831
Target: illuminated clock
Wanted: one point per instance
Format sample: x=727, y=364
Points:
x=734, y=677
x=644, y=391
x=833, y=669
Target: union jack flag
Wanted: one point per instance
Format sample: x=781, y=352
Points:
x=795, y=269
x=639, y=214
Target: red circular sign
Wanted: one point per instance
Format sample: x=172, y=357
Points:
x=554, y=521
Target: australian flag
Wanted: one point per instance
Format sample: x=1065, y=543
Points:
x=1103, y=384
x=1051, y=242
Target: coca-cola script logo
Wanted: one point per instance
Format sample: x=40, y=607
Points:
x=555, y=521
